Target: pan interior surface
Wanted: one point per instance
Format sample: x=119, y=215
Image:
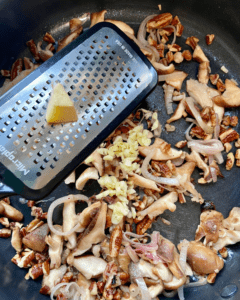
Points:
x=21, y=21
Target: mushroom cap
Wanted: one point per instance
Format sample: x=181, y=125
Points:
x=177, y=82
x=35, y=239
x=202, y=259
x=231, y=96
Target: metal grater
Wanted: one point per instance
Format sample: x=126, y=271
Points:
x=105, y=74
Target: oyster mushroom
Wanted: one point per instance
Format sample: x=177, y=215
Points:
x=231, y=96
x=83, y=282
x=44, y=54
x=90, y=266
x=96, y=160
x=159, y=206
x=195, y=157
x=199, y=55
x=69, y=216
x=201, y=259
x=143, y=182
x=55, y=243
x=97, y=17
x=210, y=223
x=94, y=233
x=162, y=69
x=52, y=279
x=160, y=154
x=146, y=269
x=10, y=212
x=227, y=237
x=35, y=240
x=179, y=112
x=175, y=283
x=233, y=220
x=162, y=272
x=121, y=25
x=155, y=290
x=71, y=178
x=69, y=38
x=177, y=80
x=89, y=173
x=203, y=72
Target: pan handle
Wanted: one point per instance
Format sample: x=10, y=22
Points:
x=5, y=191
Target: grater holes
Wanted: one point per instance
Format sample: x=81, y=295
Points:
x=50, y=152
x=98, y=122
x=38, y=174
x=78, y=75
x=42, y=94
x=16, y=142
x=14, y=128
x=81, y=52
x=98, y=104
x=42, y=167
x=48, y=81
x=124, y=98
x=56, y=158
x=25, y=108
x=87, y=129
x=39, y=101
x=52, y=166
x=30, y=154
x=73, y=69
x=75, y=63
x=29, y=101
x=60, y=75
x=84, y=136
x=78, y=130
x=63, y=145
x=14, y=109
x=78, y=57
x=51, y=75
x=84, y=63
x=108, y=47
x=69, y=93
x=67, y=63
x=60, y=151
x=70, y=75
x=26, y=141
x=92, y=46
x=72, y=87
x=124, y=63
x=114, y=103
x=40, y=153
x=45, y=88
x=9, y=136
x=36, y=161
x=46, y=160
x=72, y=144
x=117, y=98
x=7, y=123
x=100, y=46
x=75, y=137
x=66, y=137
x=111, y=109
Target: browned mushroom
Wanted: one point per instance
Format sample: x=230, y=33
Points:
x=177, y=79
x=202, y=259
x=121, y=25
x=163, y=272
x=33, y=49
x=94, y=233
x=199, y=55
x=49, y=38
x=195, y=157
x=210, y=223
x=11, y=212
x=68, y=39
x=203, y=72
x=97, y=17
x=158, y=207
x=2, y=209
x=35, y=240
x=44, y=54
x=71, y=178
x=233, y=220
x=17, y=68
x=231, y=97
x=159, y=153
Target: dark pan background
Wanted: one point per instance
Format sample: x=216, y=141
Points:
x=23, y=20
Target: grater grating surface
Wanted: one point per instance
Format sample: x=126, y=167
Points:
x=105, y=75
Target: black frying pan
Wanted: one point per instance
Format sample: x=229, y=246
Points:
x=23, y=20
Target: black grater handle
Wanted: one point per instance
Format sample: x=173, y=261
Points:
x=5, y=191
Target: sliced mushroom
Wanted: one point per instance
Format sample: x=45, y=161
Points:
x=159, y=154
x=186, y=170
x=11, y=212
x=55, y=243
x=71, y=178
x=90, y=266
x=16, y=240
x=68, y=39
x=86, y=216
x=233, y=220
x=89, y=173
x=231, y=96
x=159, y=206
x=203, y=72
x=199, y=55
x=179, y=112
x=17, y=68
x=53, y=278
x=155, y=290
x=97, y=17
x=2, y=209
x=96, y=159
x=177, y=82
x=201, y=259
x=35, y=240
x=69, y=221
x=146, y=269
x=195, y=157
x=44, y=54
x=143, y=182
x=210, y=223
x=199, y=92
x=162, y=272
x=175, y=267
x=175, y=283
x=83, y=282
x=94, y=234
x=121, y=25
x=227, y=237
x=162, y=69
x=165, y=250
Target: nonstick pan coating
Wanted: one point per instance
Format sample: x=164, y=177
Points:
x=23, y=20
